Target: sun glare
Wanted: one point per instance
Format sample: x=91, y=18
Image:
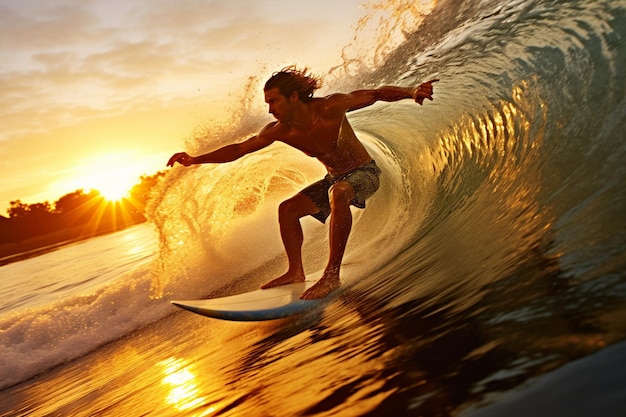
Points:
x=112, y=192
x=113, y=187
x=112, y=176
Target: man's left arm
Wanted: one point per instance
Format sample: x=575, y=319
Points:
x=363, y=98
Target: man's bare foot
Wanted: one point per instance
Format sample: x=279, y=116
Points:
x=288, y=278
x=322, y=288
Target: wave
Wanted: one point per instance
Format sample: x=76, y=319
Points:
x=517, y=165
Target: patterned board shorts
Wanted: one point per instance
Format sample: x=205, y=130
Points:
x=364, y=180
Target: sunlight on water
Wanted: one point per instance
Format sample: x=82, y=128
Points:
x=183, y=389
x=503, y=134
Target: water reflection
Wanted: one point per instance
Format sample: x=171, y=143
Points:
x=184, y=393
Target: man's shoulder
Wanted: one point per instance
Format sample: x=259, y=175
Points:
x=334, y=98
x=334, y=105
x=272, y=131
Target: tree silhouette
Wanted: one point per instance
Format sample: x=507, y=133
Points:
x=80, y=214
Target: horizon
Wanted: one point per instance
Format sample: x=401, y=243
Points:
x=115, y=197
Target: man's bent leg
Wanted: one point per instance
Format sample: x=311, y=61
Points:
x=289, y=214
x=341, y=195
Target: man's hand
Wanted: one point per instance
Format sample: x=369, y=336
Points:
x=182, y=158
x=424, y=90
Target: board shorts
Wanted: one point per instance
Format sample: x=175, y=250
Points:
x=364, y=181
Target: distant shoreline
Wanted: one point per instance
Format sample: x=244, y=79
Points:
x=39, y=245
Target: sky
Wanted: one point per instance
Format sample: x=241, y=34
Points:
x=94, y=94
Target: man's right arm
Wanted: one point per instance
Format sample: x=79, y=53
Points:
x=227, y=153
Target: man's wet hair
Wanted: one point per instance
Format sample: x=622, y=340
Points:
x=290, y=79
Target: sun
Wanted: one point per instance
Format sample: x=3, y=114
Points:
x=113, y=191
x=112, y=175
x=113, y=185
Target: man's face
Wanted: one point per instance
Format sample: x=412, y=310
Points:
x=279, y=106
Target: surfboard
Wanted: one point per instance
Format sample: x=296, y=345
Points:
x=259, y=305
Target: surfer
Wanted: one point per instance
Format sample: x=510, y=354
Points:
x=318, y=127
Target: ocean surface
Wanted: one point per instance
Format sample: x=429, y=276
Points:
x=487, y=277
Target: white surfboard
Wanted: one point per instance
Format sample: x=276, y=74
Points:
x=259, y=305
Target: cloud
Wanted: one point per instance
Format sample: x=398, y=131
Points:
x=39, y=26
x=59, y=50
x=68, y=59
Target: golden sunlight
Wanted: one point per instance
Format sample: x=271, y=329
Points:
x=113, y=187
x=184, y=393
x=112, y=175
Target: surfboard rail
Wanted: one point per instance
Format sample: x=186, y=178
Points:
x=259, y=305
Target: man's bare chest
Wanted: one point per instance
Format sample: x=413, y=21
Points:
x=322, y=139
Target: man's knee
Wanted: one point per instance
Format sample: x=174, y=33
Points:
x=341, y=193
x=286, y=210
x=295, y=208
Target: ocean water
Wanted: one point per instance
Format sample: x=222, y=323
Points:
x=487, y=277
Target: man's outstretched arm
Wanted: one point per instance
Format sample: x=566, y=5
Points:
x=227, y=153
x=363, y=98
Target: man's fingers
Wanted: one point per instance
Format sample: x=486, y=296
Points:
x=175, y=158
x=424, y=90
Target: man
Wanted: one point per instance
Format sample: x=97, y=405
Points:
x=319, y=128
